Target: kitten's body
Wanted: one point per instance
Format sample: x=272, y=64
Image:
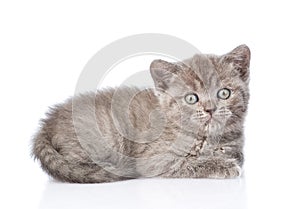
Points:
x=101, y=138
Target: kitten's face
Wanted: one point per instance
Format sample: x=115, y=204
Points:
x=211, y=91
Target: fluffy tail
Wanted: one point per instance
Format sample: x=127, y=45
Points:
x=59, y=168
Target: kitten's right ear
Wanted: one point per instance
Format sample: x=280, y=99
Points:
x=240, y=57
x=163, y=73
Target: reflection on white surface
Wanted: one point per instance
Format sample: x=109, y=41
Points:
x=148, y=193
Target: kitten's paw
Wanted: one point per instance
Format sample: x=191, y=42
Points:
x=233, y=171
x=214, y=168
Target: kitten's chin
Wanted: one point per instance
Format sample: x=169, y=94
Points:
x=213, y=128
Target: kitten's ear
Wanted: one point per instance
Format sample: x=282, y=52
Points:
x=240, y=57
x=163, y=73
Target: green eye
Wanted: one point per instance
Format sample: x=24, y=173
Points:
x=224, y=93
x=191, y=98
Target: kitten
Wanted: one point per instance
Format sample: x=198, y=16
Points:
x=189, y=126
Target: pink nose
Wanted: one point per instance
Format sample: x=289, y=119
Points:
x=210, y=110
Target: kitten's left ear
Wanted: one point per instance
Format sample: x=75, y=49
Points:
x=240, y=57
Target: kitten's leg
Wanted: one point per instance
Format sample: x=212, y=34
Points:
x=226, y=162
x=218, y=168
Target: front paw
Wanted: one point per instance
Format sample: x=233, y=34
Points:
x=224, y=172
x=219, y=169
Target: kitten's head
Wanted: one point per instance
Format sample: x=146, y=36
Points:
x=210, y=91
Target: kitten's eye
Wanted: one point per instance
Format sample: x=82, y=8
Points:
x=224, y=93
x=191, y=98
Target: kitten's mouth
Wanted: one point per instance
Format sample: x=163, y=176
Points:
x=208, y=121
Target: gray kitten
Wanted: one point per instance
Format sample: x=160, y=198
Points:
x=189, y=126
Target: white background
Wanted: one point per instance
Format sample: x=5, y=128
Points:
x=45, y=45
